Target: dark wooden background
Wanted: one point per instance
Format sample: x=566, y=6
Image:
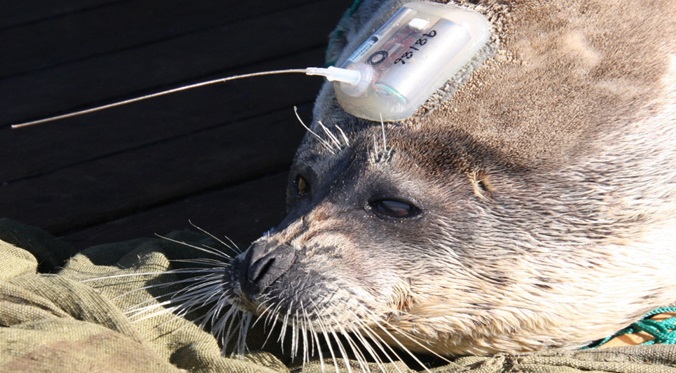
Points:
x=217, y=156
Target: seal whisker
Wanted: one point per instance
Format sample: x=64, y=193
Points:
x=216, y=309
x=416, y=341
x=209, y=316
x=317, y=342
x=292, y=327
x=181, y=301
x=375, y=149
x=361, y=350
x=242, y=347
x=285, y=326
x=237, y=332
x=396, y=340
x=160, y=312
x=274, y=319
x=382, y=345
x=366, y=343
x=321, y=140
x=141, y=274
x=230, y=244
x=231, y=318
x=341, y=349
x=306, y=347
x=263, y=312
x=313, y=335
x=356, y=332
x=175, y=306
x=156, y=309
x=382, y=127
x=224, y=326
x=268, y=335
x=202, y=320
x=325, y=333
x=201, y=286
x=356, y=351
x=378, y=340
x=339, y=344
x=296, y=334
x=344, y=136
x=331, y=136
x=197, y=297
x=163, y=307
x=203, y=261
x=269, y=312
x=380, y=152
x=234, y=322
x=244, y=330
x=207, y=250
x=160, y=285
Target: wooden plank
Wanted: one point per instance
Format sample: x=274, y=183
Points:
x=31, y=152
x=35, y=151
x=242, y=212
x=125, y=183
x=169, y=63
x=119, y=26
x=83, y=175
x=16, y=13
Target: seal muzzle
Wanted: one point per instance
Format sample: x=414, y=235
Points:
x=261, y=266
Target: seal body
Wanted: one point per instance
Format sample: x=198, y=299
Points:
x=533, y=208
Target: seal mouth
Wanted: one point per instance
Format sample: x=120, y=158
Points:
x=276, y=292
x=318, y=299
x=268, y=288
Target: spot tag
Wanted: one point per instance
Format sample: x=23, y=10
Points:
x=409, y=57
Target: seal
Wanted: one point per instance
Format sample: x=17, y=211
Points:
x=533, y=208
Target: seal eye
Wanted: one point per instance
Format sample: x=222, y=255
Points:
x=392, y=208
x=302, y=186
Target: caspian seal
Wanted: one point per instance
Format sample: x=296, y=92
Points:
x=534, y=207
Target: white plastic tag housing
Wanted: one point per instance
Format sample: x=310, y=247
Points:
x=409, y=57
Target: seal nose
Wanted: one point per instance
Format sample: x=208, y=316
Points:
x=261, y=267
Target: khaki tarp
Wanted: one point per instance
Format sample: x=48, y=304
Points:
x=52, y=320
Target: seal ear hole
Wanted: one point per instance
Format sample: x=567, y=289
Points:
x=482, y=185
x=302, y=186
x=394, y=208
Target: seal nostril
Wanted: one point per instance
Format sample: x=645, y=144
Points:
x=261, y=267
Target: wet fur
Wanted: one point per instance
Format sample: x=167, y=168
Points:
x=547, y=184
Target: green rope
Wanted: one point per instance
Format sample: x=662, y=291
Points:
x=662, y=331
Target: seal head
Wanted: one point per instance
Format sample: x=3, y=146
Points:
x=534, y=208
